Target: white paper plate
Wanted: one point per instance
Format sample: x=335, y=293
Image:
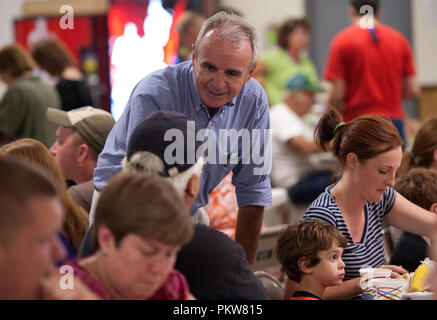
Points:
x=419, y=296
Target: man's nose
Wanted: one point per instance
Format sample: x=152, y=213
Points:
x=53, y=149
x=219, y=80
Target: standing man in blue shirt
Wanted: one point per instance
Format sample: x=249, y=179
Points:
x=216, y=91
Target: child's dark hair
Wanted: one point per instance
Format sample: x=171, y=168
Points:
x=422, y=150
x=419, y=186
x=305, y=239
x=367, y=136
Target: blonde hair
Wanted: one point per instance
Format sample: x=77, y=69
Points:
x=76, y=218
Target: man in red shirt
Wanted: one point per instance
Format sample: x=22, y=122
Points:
x=371, y=67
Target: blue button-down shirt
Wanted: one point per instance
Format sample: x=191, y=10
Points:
x=173, y=88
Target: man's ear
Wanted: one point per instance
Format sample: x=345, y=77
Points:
x=193, y=57
x=352, y=160
x=434, y=156
x=351, y=12
x=252, y=70
x=193, y=186
x=191, y=190
x=303, y=264
x=84, y=150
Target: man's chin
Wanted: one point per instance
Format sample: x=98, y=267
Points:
x=215, y=101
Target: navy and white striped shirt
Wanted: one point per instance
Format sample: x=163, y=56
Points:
x=369, y=252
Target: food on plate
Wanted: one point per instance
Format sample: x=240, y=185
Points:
x=420, y=277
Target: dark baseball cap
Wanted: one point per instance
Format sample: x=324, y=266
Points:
x=169, y=135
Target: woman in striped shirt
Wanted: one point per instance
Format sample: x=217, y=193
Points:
x=369, y=151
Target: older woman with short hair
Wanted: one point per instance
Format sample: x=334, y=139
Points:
x=141, y=224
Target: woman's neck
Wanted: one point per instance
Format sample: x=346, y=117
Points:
x=72, y=73
x=294, y=54
x=347, y=196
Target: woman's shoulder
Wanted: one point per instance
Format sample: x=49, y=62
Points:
x=273, y=54
x=323, y=208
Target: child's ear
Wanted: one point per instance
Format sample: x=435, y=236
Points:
x=433, y=208
x=303, y=264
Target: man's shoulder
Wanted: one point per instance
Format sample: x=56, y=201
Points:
x=253, y=89
x=347, y=33
x=281, y=112
x=35, y=92
x=385, y=28
x=280, y=109
x=83, y=187
x=392, y=33
x=32, y=84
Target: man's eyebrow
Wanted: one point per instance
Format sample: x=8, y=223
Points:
x=207, y=64
x=234, y=71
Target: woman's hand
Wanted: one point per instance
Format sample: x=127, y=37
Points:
x=397, y=271
x=191, y=297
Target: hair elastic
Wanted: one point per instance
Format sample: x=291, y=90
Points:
x=338, y=126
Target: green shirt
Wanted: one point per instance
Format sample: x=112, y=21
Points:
x=23, y=110
x=280, y=68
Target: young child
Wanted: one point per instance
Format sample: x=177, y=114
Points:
x=420, y=187
x=310, y=253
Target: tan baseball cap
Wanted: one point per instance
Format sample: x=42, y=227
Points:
x=92, y=124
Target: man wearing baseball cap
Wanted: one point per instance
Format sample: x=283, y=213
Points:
x=215, y=265
x=80, y=138
x=293, y=143
x=148, y=152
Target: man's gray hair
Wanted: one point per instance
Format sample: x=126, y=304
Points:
x=232, y=28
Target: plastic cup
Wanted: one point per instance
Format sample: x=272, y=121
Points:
x=367, y=274
x=388, y=289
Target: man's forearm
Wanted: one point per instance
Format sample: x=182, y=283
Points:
x=249, y=223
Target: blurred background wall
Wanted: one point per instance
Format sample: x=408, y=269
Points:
x=416, y=19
